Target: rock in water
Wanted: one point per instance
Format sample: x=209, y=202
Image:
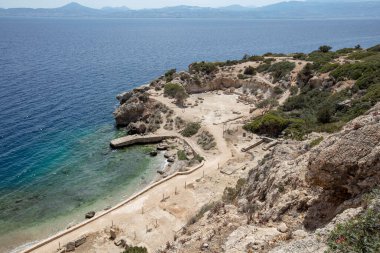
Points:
x=89, y=215
x=153, y=153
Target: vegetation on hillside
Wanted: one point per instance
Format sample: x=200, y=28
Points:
x=321, y=109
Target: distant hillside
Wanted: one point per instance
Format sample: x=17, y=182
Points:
x=283, y=10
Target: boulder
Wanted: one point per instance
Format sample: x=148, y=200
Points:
x=282, y=228
x=70, y=246
x=153, y=153
x=80, y=241
x=90, y=214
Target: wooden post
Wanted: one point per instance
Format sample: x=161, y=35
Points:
x=175, y=190
x=135, y=236
x=185, y=184
x=112, y=224
x=156, y=223
x=218, y=167
x=59, y=245
x=142, y=210
x=163, y=196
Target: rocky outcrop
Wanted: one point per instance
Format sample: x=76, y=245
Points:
x=277, y=187
x=344, y=166
x=138, y=112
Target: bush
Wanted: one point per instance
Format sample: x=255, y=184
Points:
x=169, y=75
x=360, y=55
x=242, y=77
x=136, y=250
x=374, y=48
x=203, y=67
x=299, y=56
x=324, y=114
x=213, y=206
x=361, y=234
x=263, y=67
x=181, y=155
x=329, y=67
x=316, y=142
x=324, y=48
x=293, y=90
x=271, y=124
x=176, y=91
x=277, y=90
x=270, y=102
x=191, y=129
x=280, y=69
x=321, y=58
x=230, y=194
x=250, y=71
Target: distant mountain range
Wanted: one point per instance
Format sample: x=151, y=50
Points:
x=283, y=10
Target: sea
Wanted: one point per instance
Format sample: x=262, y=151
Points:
x=58, y=83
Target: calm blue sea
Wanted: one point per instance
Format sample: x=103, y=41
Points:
x=58, y=82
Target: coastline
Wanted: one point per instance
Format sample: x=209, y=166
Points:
x=29, y=235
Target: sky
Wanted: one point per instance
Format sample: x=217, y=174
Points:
x=134, y=4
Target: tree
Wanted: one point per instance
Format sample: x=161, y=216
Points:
x=324, y=48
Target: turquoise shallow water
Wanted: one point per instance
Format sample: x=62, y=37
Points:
x=58, y=82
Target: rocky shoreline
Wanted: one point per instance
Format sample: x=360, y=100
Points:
x=320, y=167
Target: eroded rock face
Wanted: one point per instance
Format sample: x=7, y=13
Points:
x=349, y=160
x=344, y=166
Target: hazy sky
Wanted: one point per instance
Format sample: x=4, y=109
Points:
x=135, y=4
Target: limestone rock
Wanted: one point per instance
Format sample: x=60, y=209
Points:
x=349, y=161
x=282, y=227
x=70, y=246
x=80, y=241
x=90, y=215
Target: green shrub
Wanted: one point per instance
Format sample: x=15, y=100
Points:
x=324, y=114
x=316, y=142
x=345, y=50
x=293, y=90
x=299, y=56
x=191, y=129
x=320, y=58
x=270, y=102
x=176, y=91
x=277, y=90
x=360, y=234
x=203, y=67
x=280, y=69
x=171, y=89
x=230, y=193
x=204, y=209
x=253, y=58
x=374, y=48
x=263, y=67
x=181, y=154
x=270, y=124
x=169, y=75
x=329, y=67
x=250, y=71
x=360, y=55
x=305, y=75
x=136, y=249
x=242, y=77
